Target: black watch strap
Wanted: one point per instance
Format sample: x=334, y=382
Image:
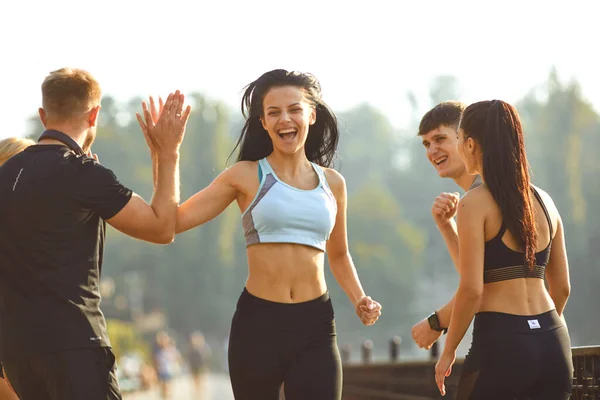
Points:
x=434, y=323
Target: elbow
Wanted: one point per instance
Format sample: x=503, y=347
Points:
x=564, y=292
x=167, y=239
x=559, y=293
x=337, y=259
x=472, y=294
x=163, y=236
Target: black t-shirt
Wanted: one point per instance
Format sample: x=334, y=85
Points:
x=53, y=204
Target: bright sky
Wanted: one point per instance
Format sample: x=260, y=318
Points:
x=373, y=51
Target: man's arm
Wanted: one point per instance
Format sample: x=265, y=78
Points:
x=156, y=222
x=443, y=211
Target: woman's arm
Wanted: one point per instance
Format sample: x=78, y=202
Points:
x=557, y=270
x=338, y=254
x=212, y=200
x=471, y=242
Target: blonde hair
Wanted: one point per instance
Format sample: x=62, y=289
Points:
x=68, y=92
x=11, y=146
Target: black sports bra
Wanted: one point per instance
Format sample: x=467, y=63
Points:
x=501, y=263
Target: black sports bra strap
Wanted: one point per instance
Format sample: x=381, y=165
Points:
x=539, y=198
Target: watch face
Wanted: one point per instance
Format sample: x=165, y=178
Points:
x=432, y=321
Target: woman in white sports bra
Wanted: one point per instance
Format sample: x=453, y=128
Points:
x=293, y=212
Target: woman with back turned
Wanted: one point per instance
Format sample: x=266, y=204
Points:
x=511, y=239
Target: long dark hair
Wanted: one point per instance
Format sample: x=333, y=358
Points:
x=496, y=127
x=254, y=141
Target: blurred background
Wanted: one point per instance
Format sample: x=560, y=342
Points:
x=382, y=64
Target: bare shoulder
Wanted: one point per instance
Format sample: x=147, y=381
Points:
x=335, y=180
x=241, y=171
x=548, y=202
x=551, y=207
x=476, y=201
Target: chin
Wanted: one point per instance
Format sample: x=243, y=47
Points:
x=290, y=150
x=443, y=173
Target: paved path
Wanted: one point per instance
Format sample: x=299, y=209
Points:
x=216, y=387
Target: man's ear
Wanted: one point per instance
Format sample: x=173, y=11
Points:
x=43, y=116
x=93, y=116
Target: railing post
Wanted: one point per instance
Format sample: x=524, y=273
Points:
x=346, y=351
x=435, y=351
x=395, y=348
x=367, y=351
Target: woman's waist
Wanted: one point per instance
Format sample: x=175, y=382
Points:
x=500, y=322
x=317, y=311
x=516, y=298
x=286, y=273
x=284, y=287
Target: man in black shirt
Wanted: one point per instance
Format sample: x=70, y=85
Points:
x=55, y=200
x=438, y=132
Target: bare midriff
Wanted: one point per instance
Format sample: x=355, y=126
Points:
x=285, y=272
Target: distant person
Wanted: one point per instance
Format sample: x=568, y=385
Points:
x=167, y=362
x=510, y=239
x=438, y=133
x=198, y=359
x=293, y=209
x=8, y=148
x=55, y=200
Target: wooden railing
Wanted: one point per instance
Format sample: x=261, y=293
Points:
x=395, y=380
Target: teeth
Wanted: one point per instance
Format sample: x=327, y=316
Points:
x=284, y=131
x=438, y=162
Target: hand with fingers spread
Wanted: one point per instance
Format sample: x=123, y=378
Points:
x=443, y=369
x=368, y=310
x=154, y=114
x=444, y=208
x=164, y=129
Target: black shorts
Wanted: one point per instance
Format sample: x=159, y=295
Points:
x=87, y=373
x=517, y=357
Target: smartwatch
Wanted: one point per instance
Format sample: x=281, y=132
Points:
x=434, y=323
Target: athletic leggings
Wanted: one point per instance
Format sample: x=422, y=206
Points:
x=517, y=357
x=294, y=344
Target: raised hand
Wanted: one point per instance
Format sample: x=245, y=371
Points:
x=164, y=128
x=444, y=207
x=368, y=310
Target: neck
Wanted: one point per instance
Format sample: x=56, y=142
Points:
x=465, y=180
x=289, y=164
x=77, y=134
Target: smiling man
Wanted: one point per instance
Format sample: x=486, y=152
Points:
x=438, y=132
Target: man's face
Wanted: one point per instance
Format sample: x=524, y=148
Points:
x=440, y=144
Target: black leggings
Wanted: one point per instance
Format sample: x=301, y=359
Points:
x=517, y=357
x=294, y=344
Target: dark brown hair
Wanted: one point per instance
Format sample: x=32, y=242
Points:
x=254, y=141
x=447, y=113
x=495, y=125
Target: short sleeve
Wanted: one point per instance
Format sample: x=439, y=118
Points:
x=100, y=191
